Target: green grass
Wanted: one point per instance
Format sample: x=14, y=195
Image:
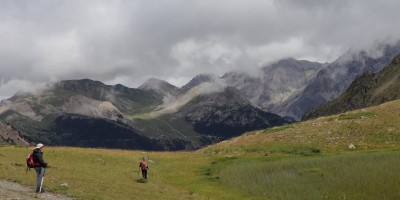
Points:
x=357, y=115
x=351, y=176
x=278, y=128
x=113, y=174
x=307, y=160
x=266, y=150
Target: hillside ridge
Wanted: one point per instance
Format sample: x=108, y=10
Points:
x=369, y=89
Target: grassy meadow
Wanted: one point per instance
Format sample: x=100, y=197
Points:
x=307, y=160
x=373, y=175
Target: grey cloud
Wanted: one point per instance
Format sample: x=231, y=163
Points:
x=127, y=42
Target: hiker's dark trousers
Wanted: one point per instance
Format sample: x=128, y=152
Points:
x=39, y=178
x=144, y=174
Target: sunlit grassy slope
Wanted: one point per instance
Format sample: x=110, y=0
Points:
x=307, y=160
x=370, y=128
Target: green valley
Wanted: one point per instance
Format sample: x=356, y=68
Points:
x=306, y=160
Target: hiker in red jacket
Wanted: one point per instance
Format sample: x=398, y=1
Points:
x=38, y=158
x=144, y=167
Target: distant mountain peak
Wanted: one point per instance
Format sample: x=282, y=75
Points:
x=285, y=60
x=160, y=87
x=294, y=63
x=85, y=81
x=154, y=84
x=201, y=78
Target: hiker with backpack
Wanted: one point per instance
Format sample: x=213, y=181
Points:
x=39, y=165
x=144, y=167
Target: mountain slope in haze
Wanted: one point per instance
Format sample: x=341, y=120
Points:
x=333, y=79
x=47, y=117
x=215, y=110
x=199, y=79
x=166, y=90
x=367, y=90
x=227, y=113
x=275, y=84
x=292, y=87
x=92, y=114
x=126, y=99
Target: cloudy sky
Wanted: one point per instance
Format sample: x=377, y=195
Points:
x=129, y=41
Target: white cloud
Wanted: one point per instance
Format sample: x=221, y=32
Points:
x=213, y=56
x=9, y=88
x=128, y=41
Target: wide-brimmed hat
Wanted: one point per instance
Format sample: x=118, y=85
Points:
x=39, y=145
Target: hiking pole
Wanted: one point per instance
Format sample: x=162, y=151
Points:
x=41, y=182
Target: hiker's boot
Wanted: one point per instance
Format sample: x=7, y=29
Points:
x=37, y=190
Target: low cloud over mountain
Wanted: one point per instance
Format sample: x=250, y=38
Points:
x=127, y=42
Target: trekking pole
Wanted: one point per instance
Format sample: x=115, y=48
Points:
x=41, y=182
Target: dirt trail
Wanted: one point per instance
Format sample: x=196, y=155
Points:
x=10, y=190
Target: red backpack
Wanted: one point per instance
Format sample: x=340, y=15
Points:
x=143, y=165
x=30, y=163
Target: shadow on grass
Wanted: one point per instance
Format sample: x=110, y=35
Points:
x=141, y=180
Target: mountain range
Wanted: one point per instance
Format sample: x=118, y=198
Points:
x=160, y=116
x=156, y=116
